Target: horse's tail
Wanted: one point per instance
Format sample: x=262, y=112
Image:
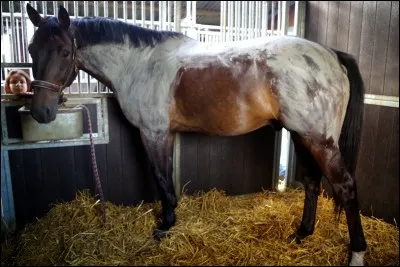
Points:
x=349, y=141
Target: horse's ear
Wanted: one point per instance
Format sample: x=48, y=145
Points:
x=33, y=15
x=63, y=18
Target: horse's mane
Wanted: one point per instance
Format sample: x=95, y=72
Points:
x=98, y=30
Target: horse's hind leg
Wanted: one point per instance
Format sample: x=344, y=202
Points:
x=330, y=160
x=159, y=148
x=311, y=182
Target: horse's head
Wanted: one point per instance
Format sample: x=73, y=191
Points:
x=53, y=52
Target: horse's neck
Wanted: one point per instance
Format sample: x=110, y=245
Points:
x=111, y=62
x=125, y=66
x=140, y=77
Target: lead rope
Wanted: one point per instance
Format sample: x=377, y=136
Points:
x=94, y=165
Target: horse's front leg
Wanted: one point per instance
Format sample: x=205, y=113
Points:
x=159, y=147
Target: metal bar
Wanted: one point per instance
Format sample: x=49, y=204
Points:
x=175, y=14
x=257, y=20
x=302, y=18
x=115, y=9
x=277, y=156
x=79, y=82
x=222, y=20
x=143, y=13
x=13, y=39
x=86, y=13
x=178, y=15
x=76, y=9
x=105, y=6
x=96, y=8
x=229, y=21
x=231, y=18
x=18, y=48
x=194, y=6
x=296, y=18
x=4, y=127
x=169, y=15
x=2, y=27
x=66, y=5
x=381, y=102
x=161, y=14
x=273, y=18
x=125, y=11
x=188, y=10
x=55, y=8
x=152, y=14
x=284, y=17
x=266, y=18
x=7, y=198
x=242, y=25
x=134, y=12
x=251, y=19
x=44, y=5
x=382, y=97
x=279, y=17
x=246, y=19
x=85, y=8
x=263, y=18
x=236, y=24
x=291, y=167
x=254, y=20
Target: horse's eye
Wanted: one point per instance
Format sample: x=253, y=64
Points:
x=65, y=53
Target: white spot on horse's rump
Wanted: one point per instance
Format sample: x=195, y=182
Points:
x=357, y=258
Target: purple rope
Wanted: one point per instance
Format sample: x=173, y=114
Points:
x=94, y=165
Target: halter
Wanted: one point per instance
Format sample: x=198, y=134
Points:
x=54, y=87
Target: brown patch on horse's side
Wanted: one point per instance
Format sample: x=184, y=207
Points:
x=223, y=100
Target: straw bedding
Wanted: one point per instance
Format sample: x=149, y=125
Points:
x=212, y=229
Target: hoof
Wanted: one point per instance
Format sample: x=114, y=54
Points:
x=294, y=237
x=357, y=258
x=159, y=234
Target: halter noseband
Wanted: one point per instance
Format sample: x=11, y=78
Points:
x=54, y=87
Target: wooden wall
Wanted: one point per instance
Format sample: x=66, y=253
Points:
x=237, y=164
x=368, y=30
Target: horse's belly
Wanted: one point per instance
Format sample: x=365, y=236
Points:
x=221, y=101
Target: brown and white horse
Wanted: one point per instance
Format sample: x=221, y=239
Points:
x=166, y=82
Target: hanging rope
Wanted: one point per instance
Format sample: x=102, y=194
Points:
x=99, y=190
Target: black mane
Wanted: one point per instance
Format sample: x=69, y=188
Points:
x=97, y=30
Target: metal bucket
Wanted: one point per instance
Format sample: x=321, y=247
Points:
x=67, y=125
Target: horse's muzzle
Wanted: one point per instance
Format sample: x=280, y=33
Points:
x=43, y=115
